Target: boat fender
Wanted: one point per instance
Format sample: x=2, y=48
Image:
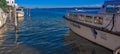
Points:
x=116, y=51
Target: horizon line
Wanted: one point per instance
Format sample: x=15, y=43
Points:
x=68, y=7
x=97, y=5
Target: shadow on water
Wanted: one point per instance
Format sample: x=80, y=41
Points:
x=81, y=46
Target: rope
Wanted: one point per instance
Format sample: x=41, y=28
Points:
x=113, y=20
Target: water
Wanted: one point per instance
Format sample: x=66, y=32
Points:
x=42, y=33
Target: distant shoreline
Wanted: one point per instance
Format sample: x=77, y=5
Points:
x=64, y=7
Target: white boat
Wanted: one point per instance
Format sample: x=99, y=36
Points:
x=3, y=17
x=102, y=28
x=20, y=12
x=79, y=10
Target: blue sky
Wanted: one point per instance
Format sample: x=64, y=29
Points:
x=59, y=3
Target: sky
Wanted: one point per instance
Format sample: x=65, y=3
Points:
x=58, y=3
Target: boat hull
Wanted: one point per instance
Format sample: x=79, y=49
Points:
x=102, y=38
x=20, y=14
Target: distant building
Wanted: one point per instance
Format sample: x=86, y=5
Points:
x=11, y=3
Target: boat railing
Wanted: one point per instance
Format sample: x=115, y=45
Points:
x=93, y=19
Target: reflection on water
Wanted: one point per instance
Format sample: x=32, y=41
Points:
x=9, y=43
x=42, y=34
x=2, y=31
x=20, y=19
x=81, y=46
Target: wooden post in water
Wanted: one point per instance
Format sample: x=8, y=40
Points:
x=27, y=11
x=15, y=18
x=28, y=14
x=16, y=38
x=10, y=14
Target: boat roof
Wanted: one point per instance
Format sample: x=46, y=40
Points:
x=85, y=12
x=112, y=2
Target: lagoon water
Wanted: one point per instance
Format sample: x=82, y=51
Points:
x=42, y=33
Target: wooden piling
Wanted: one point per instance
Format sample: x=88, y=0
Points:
x=10, y=11
x=28, y=11
x=15, y=18
x=28, y=15
x=16, y=38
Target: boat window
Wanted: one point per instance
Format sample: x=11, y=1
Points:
x=88, y=19
x=112, y=9
x=103, y=6
x=18, y=9
x=118, y=9
x=71, y=15
x=81, y=17
x=98, y=20
x=74, y=15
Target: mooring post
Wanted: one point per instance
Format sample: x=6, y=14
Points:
x=15, y=18
x=10, y=14
x=28, y=12
x=16, y=38
x=28, y=15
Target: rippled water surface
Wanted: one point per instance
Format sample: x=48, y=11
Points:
x=42, y=33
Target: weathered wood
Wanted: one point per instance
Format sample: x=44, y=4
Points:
x=15, y=18
x=10, y=14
